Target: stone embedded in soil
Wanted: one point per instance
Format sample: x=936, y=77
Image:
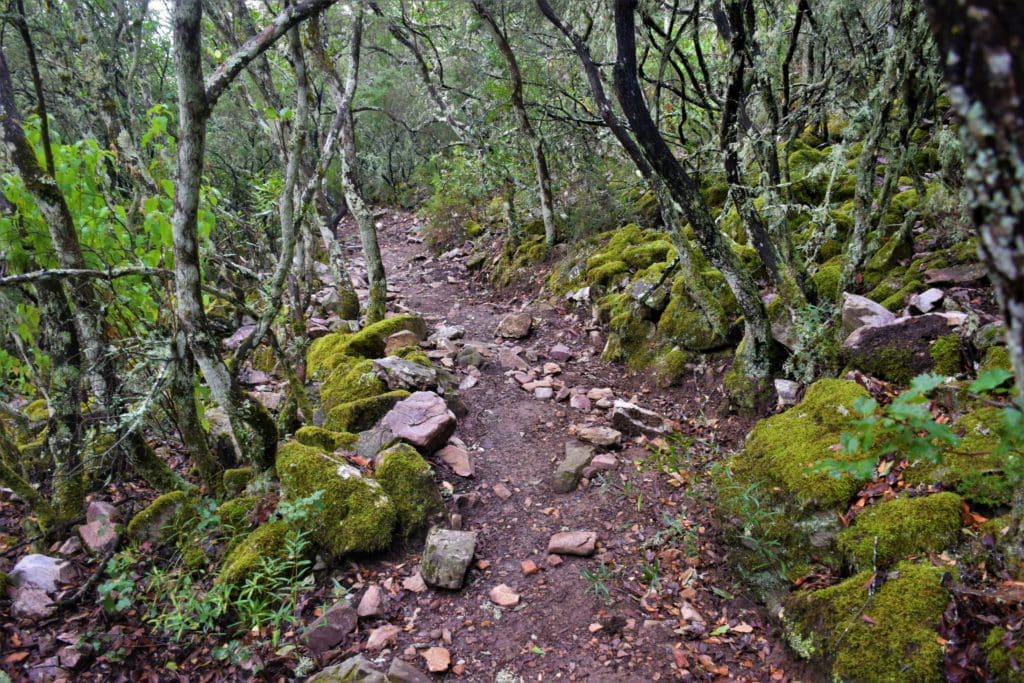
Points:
x=446, y=557
x=577, y=456
x=630, y=418
x=580, y=543
x=503, y=596
x=600, y=436
x=438, y=659
x=99, y=537
x=423, y=420
x=101, y=511
x=449, y=332
x=560, y=353
x=543, y=393
x=30, y=603
x=41, y=571
x=501, y=491
x=515, y=326
x=399, y=373
x=552, y=369
x=400, y=340
x=382, y=636
x=414, y=583
x=553, y=560
x=580, y=402
x=458, y=459
x=602, y=462
x=372, y=604
x=468, y=382
x=330, y=629
x=404, y=672
x=510, y=360
x=356, y=668
x=600, y=393
x=528, y=567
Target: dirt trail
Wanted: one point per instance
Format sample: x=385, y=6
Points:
x=561, y=629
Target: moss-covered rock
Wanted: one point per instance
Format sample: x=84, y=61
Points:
x=37, y=410
x=236, y=479
x=972, y=468
x=1004, y=652
x=235, y=514
x=888, y=258
x=947, y=355
x=826, y=279
x=361, y=415
x=996, y=358
x=645, y=255
x=888, y=636
x=357, y=514
x=606, y=274
x=157, y=522
x=268, y=540
x=330, y=351
x=408, y=480
x=685, y=325
x=902, y=527
x=350, y=382
x=325, y=439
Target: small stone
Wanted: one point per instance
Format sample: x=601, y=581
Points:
x=372, y=603
x=600, y=436
x=382, y=637
x=503, y=596
x=414, y=583
x=70, y=657
x=450, y=332
x=41, y=571
x=482, y=564
x=580, y=543
x=458, y=459
x=553, y=560
x=331, y=628
x=101, y=511
x=630, y=418
x=595, y=627
x=577, y=456
x=404, y=672
x=926, y=301
x=501, y=491
x=468, y=382
x=787, y=391
x=956, y=275
x=563, y=394
x=356, y=668
x=98, y=537
x=604, y=462
x=529, y=567
x=552, y=369
x=598, y=394
x=438, y=659
x=31, y=603
x=560, y=353
x=543, y=393
x=510, y=360
x=446, y=557
x=515, y=326
x=400, y=340
x=580, y=402
x=70, y=547
x=860, y=311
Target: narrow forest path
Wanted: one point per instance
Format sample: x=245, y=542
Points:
x=696, y=625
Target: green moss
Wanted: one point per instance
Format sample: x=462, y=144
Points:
x=644, y=255
x=325, y=439
x=414, y=354
x=826, y=279
x=629, y=340
x=996, y=358
x=235, y=514
x=1000, y=667
x=887, y=259
x=324, y=353
x=670, y=365
x=351, y=382
x=162, y=513
x=330, y=351
x=905, y=526
x=37, y=410
x=683, y=324
x=473, y=229
x=409, y=481
x=946, y=355
x=361, y=415
x=357, y=515
x=889, y=636
x=606, y=274
x=235, y=480
x=891, y=363
x=268, y=540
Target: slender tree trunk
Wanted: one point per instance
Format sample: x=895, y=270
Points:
x=186, y=416
x=533, y=139
x=981, y=45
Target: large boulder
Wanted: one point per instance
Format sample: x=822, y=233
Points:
x=860, y=311
x=41, y=571
x=905, y=347
x=363, y=414
x=408, y=480
x=423, y=420
x=398, y=373
x=329, y=351
x=267, y=541
x=357, y=514
x=446, y=557
x=156, y=522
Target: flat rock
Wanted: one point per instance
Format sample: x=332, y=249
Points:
x=577, y=456
x=399, y=373
x=503, y=596
x=631, y=419
x=402, y=671
x=30, y=603
x=372, y=604
x=330, y=629
x=458, y=459
x=468, y=382
x=99, y=537
x=600, y=436
x=438, y=659
x=543, y=393
x=501, y=491
x=560, y=353
x=580, y=543
x=414, y=583
x=382, y=636
x=580, y=402
x=956, y=275
x=446, y=557
x=357, y=669
x=926, y=301
x=515, y=326
x=373, y=441
x=41, y=571
x=860, y=311
x=423, y=420
x=399, y=340
x=510, y=360
x=602, y=462
x=600, y=393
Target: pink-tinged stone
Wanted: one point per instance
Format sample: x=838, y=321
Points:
x=422, y=420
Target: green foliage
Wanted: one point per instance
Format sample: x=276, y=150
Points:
x=816, y=351
x=597, y=581
x=117, y=592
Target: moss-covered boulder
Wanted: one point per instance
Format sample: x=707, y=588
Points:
x=268, y=540
x=901, y=527
x=996, y=358
x=360, y=415
x=331, y=350
x=685, y=325
x=888, y=636
x=236, y=479
x=235, y=515
x=357, y=514
x=900, y=350
x=408, y=480
x=157, y=522
x=351, y=380
x=325, y=439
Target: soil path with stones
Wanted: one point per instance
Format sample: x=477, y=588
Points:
x=696, y=626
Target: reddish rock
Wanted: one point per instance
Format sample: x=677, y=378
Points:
x=372, y=603
x=580, y=543
x=98, y=537
x=503, y=596
x=422, y=420
x=458, y=459
x=529, y=567
x=382, y=637
x=101, y=511
x=330, y=629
